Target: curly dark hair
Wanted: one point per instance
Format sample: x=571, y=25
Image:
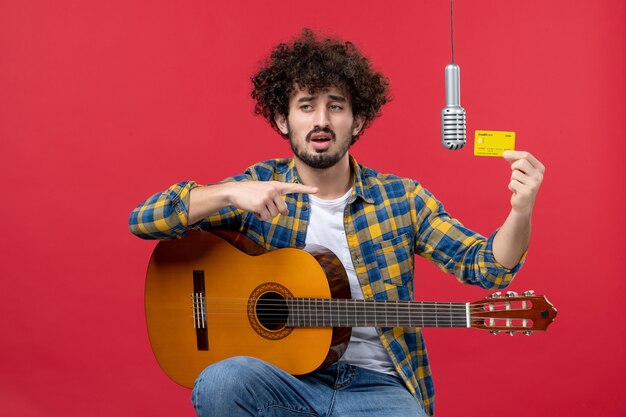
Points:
x=315, y=64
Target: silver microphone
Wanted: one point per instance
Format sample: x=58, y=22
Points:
x=453, y=115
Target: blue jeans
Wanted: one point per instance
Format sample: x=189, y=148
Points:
x=243, y=386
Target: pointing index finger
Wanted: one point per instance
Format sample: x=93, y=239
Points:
x=287, y=188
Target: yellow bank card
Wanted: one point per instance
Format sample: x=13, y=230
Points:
x=493, y=143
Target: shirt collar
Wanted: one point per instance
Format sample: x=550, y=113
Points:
x=358, y=188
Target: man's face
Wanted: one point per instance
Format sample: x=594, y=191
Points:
x=320, y=126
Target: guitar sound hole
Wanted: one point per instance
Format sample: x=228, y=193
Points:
x=272, y=311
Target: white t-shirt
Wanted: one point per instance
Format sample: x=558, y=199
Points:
x=326, y=229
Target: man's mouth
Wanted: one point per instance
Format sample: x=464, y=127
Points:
x=321, y=136
x=320, y=139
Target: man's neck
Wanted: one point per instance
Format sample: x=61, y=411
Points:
x=332, y=182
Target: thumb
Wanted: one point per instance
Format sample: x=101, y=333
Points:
x=509, y=156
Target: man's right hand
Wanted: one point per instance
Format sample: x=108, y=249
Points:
x=263, y=198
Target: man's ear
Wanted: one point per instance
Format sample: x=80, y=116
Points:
x=281, y=122
x=359, y=121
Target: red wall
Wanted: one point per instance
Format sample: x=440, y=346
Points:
x=105, y=102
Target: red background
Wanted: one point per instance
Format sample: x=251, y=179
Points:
x=103, y=103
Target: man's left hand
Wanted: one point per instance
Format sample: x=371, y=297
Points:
x=526, y=179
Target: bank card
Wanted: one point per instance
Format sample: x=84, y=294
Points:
x=493, y=143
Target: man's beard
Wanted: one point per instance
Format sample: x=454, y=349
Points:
x=324, y=159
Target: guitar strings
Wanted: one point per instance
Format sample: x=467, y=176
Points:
x=352, y=315
x=381, y=303
x=358, y=309
x=427, y=317
x=402, y=307
x=371, y=318
x=498, y=324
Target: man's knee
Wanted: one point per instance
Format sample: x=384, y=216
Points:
x=226, y=384
x=230, y=374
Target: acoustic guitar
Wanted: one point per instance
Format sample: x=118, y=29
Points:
x=211, y=296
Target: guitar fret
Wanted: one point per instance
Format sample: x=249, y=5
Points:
x=409, y=320
x=330, y=313
x=385, y=310
x=291, y=309
x=363, y=313
x=443, y=322
x=397, y=315
x=349, y=319
x=300, y=312
x=340, y=312
x=375, y=316
x=405, y=315
x=295, y=312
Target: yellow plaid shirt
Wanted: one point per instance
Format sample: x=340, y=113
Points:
x=388, y=220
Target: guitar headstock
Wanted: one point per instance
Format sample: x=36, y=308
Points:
x=512, y=313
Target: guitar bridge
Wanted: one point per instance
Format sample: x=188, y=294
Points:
x=199, y=310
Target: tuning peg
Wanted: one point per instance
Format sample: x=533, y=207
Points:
x=495, y=295
x=528, y=333
x=529, y=292
x=511, y=294
x=511, y=332
x=494, y=332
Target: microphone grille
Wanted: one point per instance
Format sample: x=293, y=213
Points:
x=453, y=127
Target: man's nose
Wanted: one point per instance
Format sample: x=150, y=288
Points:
x=321, y=118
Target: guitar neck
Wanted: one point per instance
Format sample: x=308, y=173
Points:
x=319, y=312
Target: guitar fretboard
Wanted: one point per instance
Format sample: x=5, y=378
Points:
x=320, y=312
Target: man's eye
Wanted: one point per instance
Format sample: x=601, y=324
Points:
x=306, y=107
x=336, y=107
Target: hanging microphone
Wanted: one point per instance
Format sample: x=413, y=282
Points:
x=453, y=115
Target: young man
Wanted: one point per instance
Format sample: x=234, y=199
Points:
x=321, y=95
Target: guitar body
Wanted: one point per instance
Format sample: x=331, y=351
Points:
x=200, y=301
